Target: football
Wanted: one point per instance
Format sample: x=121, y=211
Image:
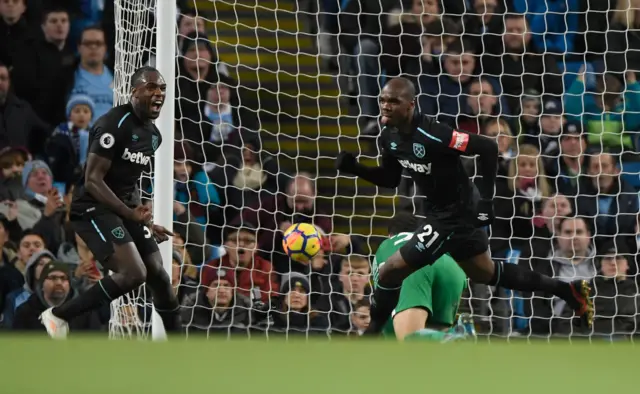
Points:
x=301, y=242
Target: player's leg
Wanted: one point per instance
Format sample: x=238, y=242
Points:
x=165, y=300
x=482, y=269
x=110, y=243
x=423, y=248
x=409, y=321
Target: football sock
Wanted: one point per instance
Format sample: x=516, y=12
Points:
x=383, y=302
x=103, y=292
x=171, y=318
x=514, y=277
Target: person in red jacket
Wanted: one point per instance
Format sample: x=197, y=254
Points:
x=254, y=275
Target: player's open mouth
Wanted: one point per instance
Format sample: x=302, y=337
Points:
x=156, y=105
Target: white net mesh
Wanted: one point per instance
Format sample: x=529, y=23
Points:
x=267, y=90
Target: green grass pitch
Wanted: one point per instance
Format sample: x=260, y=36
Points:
x=89, y=365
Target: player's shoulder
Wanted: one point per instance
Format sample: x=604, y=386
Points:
x=115, y=118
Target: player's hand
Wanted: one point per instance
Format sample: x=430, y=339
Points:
x=140, y=214
x=345, y=162
x=160, y=233
x=54, y=201
x=485, y=215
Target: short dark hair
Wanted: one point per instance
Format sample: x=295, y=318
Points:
x=402, y=222
x=89, y=28
x=51, y=10
x=138, y=75
x=460, y=46
x=31, y=232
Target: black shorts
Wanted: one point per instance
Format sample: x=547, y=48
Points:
x=104, y=229
x=440, y=234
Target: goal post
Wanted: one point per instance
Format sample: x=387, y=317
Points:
x=163, y=168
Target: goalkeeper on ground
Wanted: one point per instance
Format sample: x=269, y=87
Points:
x=429, y=297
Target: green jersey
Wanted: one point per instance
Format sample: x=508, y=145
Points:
x=437, y=287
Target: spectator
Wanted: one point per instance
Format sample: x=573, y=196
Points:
x=17, y=297
x=479, y=106
x=92, y=77
x=87, y=272
x=616, y=295
x=518, y=66
x=352, y=287
x=222, y=118
x=440, y=96
x=19, y=125
x=361, y=23
x=623, y=43
x=500, y=130
x=30, y=243
x=518, y=200
x=183, y=276
x=15, y=30
x=196, y=199
x=551, y=123
x=10, y=276
x=51, y=290
x=485, y=23
x=217, y=307
x=12, y=164
x=567, y=164
x=39, y=70
x=437, y=36
x=607, y=198
x=44, y=209
x=402, y=40
x=554, y=23
x=319, y=280
x=67, y=149
x=196, y=73
x=573, y=259
x=360, y=317
x=293, y=312
x=253, y=274
x=276, y=214
x=554, y=209
x=247, y=175
x=528, y=125
x=609, y=114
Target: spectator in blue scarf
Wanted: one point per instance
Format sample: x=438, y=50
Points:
x=67, y=148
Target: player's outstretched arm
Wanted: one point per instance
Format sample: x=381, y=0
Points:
x=387, y=175
x=97, y=168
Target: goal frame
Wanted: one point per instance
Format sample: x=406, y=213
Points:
x=166, y=34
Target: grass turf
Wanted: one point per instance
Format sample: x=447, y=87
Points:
x=88, y=365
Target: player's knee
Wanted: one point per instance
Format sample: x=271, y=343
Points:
x=409, y=321
x=135, y=275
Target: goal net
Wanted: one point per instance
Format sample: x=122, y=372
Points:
x=270, y=91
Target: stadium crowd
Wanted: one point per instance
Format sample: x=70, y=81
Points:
x=562, y=101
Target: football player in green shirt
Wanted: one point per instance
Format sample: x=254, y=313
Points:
x=429, y=297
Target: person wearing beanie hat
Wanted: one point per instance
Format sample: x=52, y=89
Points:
x=217, y=306
x=80, y=110
x=52, y=289
x=293, y=313
x=67, y=148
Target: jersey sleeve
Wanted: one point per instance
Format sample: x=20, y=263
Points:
x=445, y=137
x=104, y=141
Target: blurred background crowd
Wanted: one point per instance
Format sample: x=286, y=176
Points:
x=553, y=81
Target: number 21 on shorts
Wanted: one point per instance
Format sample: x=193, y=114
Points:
x=427, y=237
